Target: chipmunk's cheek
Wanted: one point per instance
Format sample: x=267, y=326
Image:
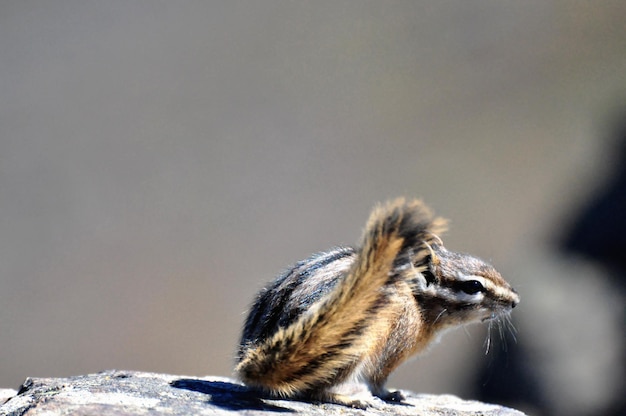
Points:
x=471, y=315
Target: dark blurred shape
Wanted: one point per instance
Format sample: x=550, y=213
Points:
x=508, y=377
x=597, y=233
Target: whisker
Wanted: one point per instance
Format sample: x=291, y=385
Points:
x=467, y=333
x=488, y=339
x=511, y=327
x=500, y=323
x=440, y=315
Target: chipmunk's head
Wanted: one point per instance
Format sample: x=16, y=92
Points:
x=456, y=289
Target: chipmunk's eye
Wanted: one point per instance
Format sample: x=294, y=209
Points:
x=472, y=286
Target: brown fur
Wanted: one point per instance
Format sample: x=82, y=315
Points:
x=365, y=318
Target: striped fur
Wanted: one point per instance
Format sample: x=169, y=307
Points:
x=353, y=313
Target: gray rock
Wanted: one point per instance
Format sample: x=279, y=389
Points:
x=6, y=394
x=135, y=393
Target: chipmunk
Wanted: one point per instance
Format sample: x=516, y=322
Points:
x=358, y=313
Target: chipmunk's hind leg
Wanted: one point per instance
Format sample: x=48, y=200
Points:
x=344, y=400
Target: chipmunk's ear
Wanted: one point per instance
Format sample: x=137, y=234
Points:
x=433, y=259
x=425, y=264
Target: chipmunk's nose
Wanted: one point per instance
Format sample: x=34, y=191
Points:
x=515, y=300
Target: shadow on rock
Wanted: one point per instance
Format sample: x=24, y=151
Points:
x=227, y=395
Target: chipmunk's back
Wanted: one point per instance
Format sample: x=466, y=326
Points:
x=293, y=292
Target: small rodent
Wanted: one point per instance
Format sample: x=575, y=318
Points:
x=358, y=313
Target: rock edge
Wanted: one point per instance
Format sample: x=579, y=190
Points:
x=131, y=393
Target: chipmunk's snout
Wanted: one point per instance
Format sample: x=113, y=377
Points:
x=515, y=300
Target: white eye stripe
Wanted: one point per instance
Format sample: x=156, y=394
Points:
x=452, y=296
x=503, y=292
x=465, y=278
x=474, y=298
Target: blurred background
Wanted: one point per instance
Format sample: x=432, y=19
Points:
x=161, y=161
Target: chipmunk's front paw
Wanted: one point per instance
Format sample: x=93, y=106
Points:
x=392, y=396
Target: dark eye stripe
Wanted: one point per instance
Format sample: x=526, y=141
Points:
x=430, y=278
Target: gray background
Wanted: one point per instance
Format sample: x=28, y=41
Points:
x=160, y=161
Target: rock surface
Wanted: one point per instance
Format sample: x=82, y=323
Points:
x=133, y=393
